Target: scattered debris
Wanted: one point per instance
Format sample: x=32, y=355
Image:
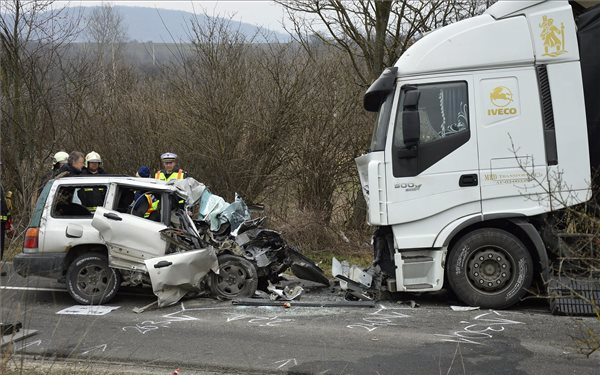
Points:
x=87, y=310
x=286, y=293
x=355, y=280
x=464, y=308
x=259, y=302
x=413, y=304
x=12, y=333
x=139, y=310
x=9, y=329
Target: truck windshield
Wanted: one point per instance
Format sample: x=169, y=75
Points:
x=381, y=125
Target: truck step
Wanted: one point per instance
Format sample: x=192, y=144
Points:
x=574, y=296
x=416, y=259
x=418, y=286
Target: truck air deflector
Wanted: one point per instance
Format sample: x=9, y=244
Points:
x=378, y=91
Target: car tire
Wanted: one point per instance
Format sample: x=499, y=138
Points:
x=489, y=268
x=237, y=278
x=90, y=281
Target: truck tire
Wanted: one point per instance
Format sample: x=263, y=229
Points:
x=490, y=268
x=90, y=281
x=237, y=278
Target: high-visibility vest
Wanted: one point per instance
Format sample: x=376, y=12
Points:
x=152, y=204
x=160, y=175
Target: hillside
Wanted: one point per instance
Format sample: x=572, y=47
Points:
x=167, y=26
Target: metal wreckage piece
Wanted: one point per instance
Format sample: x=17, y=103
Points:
x=359, y=283
x=221, y=232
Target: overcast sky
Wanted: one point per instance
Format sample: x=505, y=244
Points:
x=261, y=13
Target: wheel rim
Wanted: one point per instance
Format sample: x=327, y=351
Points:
x=93, y=280
x=490, y=269
x=232, y=279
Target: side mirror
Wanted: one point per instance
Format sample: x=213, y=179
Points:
x=74, y=231
x=411, y=122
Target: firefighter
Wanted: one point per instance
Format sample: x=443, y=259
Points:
x=171, y=170
x=58, y=160
x=92, y=196
x=92, y=164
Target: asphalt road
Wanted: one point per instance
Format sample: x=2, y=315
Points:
x=207, y=334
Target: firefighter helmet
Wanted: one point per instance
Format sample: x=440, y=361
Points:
x=92, y=157
x=60, y=157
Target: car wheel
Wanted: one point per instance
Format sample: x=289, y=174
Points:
x=490, y=268
x=90, y=281
x=237, y=278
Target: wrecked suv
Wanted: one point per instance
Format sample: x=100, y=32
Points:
x=90, y=233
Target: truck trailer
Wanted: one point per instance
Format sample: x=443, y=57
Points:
x=485, y=129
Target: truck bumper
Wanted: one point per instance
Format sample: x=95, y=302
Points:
x=45, y=265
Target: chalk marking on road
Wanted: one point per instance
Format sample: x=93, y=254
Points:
x=285, y=362
x=380, y=318
x=167, y=319
x=37, y=342
x=478, y=331
x=103, y=347
x=262, y=321
x=237, y=317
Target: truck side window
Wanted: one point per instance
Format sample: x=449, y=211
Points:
x=443, y=111
x=67, y=204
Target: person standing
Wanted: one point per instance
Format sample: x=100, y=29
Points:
x=5, y=216
x=171, y=170
x=93, y=163
x=58, y=160
x=92, y=196
x=74, y=165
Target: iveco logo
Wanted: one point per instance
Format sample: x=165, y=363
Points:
x=408, y=186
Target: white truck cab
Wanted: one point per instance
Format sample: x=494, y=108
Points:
x=481, y=127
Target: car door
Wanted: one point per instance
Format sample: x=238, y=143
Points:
x=130, y=239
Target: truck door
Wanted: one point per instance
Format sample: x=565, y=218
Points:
x=435, y=180
x=512, y=151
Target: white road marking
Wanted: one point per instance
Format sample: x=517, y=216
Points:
x=31, y=288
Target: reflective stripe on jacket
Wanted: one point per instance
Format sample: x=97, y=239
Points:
x=152, y=204
x=160, y=175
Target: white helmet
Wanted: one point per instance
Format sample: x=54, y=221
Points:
x=93, y=157
x=168, y=156
x=60, y=157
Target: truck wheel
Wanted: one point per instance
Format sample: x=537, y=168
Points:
x=90, y=281
x=489, y=268
x=237, y=278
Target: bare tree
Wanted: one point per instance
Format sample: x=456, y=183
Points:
x=31, y=36
x=373, y=33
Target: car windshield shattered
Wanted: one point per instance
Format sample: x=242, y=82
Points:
x=197, y=243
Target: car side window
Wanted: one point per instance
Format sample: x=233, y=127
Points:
x=68, y=204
